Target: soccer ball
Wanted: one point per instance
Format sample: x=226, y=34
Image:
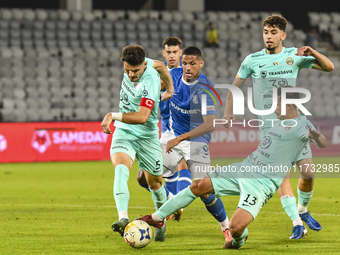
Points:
x=137, y=234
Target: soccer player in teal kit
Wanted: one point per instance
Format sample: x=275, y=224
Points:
x=253, y=178
x=136, y=133
x=277, y=66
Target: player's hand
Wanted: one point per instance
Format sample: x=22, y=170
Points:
x=229, y=118
x=305, y=51
x=106, y=123
x=313, y=134
x=166, y=95
x=171, y=143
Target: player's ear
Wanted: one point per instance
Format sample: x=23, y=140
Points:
x=284, y=36
x=180, y=52
x=163, y=52
x=201, y=63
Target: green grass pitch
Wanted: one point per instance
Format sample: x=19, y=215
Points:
x=68, y=208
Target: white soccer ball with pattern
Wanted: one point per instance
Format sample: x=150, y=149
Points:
x=137, y=234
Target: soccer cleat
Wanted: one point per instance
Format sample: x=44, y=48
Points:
x=120, y=225
x=229, y=245
x=298, y=232
x=148, y=219
x=310, y=221
x=227, y=235
x=160, y=233
x=177, y=215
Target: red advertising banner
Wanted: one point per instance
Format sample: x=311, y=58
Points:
x=53, y=141
x=78, y=141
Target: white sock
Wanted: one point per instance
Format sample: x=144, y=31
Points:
x=123, y=214
x=297, y=221
x=224, y=224
x=170, y=195
x=156, y=217
x=301, y=209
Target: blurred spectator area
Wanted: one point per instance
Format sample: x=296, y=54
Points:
x=59, y=65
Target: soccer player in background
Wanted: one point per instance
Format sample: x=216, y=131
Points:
x=136, y=133
x=252, y=179
x=172, y=52
x=190, y=129
x=277, y=66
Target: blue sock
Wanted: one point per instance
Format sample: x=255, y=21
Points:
x=171, y=183
x=184, y=179
x=215, y=206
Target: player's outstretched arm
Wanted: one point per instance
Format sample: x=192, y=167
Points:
x=238, y=82
x=166, y=78
x=317, y=138
x=321, y=63
x=205, y=127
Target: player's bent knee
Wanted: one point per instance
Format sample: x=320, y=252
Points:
x=194, y=187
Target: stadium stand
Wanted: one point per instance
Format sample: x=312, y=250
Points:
x=64, y=65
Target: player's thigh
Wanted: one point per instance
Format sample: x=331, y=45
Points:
x=306, y=168
x=252, y=195
x=224, y=182
x=149, y=156
x=172, y=159
x=182, y=165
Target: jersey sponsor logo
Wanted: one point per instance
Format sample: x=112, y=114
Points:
x=184, y=111
x=3, y=143
x=263, y=74
x=260, y=66
x=128, y=88
x=266, y=142
x=275, y=64
x=290, y=61
x=124, y=98
x=281, y=72
x=195, y=99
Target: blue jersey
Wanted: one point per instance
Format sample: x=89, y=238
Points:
x=164, y=108
x=185, y=105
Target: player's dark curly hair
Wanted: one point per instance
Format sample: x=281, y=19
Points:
x=276, y=20
x=193, y=50
x=133, y=54
x=172, y=41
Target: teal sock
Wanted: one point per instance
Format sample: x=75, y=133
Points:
x=289, y=205
x=159, y=197
x=120, y=188
x=304, y=197
x=181, y=200
x=239, y=241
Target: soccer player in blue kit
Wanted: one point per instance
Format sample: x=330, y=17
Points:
x=252, y=179
x=277, y=66
x=190, y=129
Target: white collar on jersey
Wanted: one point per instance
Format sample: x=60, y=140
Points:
x=189, y=83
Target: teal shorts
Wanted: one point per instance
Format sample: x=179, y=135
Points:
x=147, y=150
x=305, y=153
x=253, y=194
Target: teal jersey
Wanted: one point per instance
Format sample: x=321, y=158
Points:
x=148, y=86
x=270, y=71
x=278, y=150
